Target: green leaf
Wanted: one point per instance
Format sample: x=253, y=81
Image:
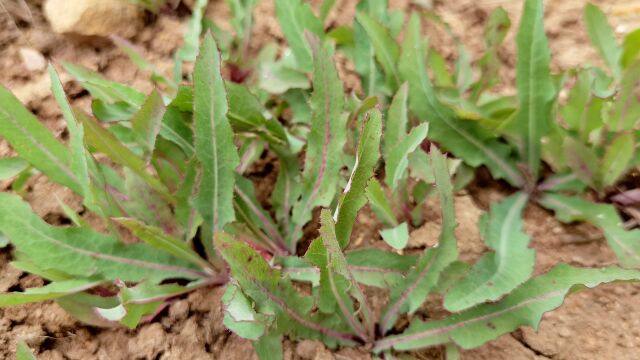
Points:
x=215, y=149
x=157, y=239
x=353, y=197
x=79, y=156
x=287, y=188
x=48, y=292
x=239, y=315
x=422, y=279
x=630, y=49
x=269, y=347
x=34, y=143
x=395, y=127
x=81, y=251
x=105, y=142
x=617, y=158
x=386, y=49
x=111, y=96
x=380, y=203
x=397, y=160
x=583, y=162
x=341, y=281
x=583, y=109
x=146, y=123
x=525, y=306
x=246, y=115
x=269, y=289
x=324, y=144
x=625, y=112
x=23, y=352
x=364, y=53
x=465, y=139
x=11, y=166
x=495, y=32
x=623, y=243
x=189, y=49
x=396, y=237
x=296, y=19
x=602, y=37
x=509, y=264
x=535, y=87
x=250, y=212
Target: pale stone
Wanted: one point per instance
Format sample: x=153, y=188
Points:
x=94, y=17
x=32, y=59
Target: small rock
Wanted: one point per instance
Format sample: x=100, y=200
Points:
x=307, y=349
x=179, y=310
x=564, y=332
x=32, y=59
x=94, y=17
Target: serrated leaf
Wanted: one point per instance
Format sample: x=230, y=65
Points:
x=81, y=251
x=524, y=306
x=215, y=149
x=324, y=144
x=296, y=18
x=79, y=160
x=397, y=159
x=105, y=142
x=535, y=87
x=11, y=166
x=509, y=264
x=364, y=53
x=623, y=243
x=287, y=188
x=583, y=162
x=617, y=158
x=583, y=109
x=239, y=315
x=34, y=143
x=465, y=139
x=245, y=115
x=159, y=240
x=115, y=100
x=625, y=112
x=48, y=292
x=421, y=280
x=369, y=266
x=341, y=281
x=269, y=289
x=353, y=197
x=386, y=49
x=396, y=237
x=602, y=37
x=146, y=123
x=250, y=211
x=145, y=299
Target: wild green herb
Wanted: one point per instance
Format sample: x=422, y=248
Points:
x=174, y=169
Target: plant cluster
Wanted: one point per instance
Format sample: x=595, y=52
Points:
x=174, y=169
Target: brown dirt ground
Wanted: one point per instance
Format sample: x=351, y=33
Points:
x=602, y=323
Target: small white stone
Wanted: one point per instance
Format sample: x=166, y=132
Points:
x=32, y=59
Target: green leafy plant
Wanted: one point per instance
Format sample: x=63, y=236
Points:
x=169, y=176
x=589, y=141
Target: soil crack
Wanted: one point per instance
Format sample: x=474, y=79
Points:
x=520, y=338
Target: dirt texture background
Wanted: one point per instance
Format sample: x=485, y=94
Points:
x=602, y=323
